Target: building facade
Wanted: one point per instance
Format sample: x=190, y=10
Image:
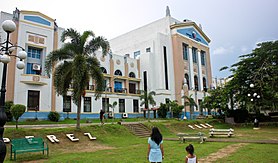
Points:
x=166, y=56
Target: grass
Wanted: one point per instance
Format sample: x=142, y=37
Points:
x=116, y=144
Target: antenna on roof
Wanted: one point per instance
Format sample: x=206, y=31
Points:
x=168, y=11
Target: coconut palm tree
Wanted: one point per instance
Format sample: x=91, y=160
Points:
x=189, y=101
x=146, y=99
x=75, y=63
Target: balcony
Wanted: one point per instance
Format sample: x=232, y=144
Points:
x=120, y=90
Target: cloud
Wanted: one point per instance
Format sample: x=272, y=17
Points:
x=244, y=49
x=222, y=50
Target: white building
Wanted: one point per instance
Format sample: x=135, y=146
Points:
x=166, y=56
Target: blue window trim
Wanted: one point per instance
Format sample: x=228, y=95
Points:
x=37, y=19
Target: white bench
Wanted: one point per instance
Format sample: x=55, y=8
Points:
x=228, y=132
x=192, y=136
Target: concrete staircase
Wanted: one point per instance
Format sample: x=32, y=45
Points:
x=138, y=129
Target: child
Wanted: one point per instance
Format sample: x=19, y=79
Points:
x=190, y=158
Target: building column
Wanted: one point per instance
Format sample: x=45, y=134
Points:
x=200, y=75
x=191, y=72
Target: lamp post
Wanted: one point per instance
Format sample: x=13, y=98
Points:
x=6, y=50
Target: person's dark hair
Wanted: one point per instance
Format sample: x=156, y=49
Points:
x=156, y=135
x=190, y=149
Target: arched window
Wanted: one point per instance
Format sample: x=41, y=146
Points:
x=131, y=75
x=118, y=73
x=187, y=80
x=196, y=83
x=205, y=84
x=103, y=70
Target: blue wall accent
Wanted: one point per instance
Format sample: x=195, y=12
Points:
x=63, y=115
x=189, y=33
x=37, y=19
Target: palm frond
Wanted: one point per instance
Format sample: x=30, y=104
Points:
x=97, y=43
x=85, y=36
x=63, y=78
x=55, y=56
x=80, y=77
x=93, y=66
x=72, y=34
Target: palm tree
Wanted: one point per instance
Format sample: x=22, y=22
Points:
x=147, y=98
x=74, y=64
x=189, y=101
x=113, y=107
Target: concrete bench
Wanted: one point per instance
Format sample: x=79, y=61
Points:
x=225, y=132
x=192, y=136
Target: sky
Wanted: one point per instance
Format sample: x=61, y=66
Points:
x=233, y=26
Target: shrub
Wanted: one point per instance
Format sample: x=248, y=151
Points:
x=8, y=105
x=54, y=116
x=162, y=111
x=17, y=111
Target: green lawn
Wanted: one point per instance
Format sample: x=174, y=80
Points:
x=115, y=144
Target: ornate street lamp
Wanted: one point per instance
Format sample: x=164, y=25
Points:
x=6, y=50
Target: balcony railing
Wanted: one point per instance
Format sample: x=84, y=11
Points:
x=120, y=90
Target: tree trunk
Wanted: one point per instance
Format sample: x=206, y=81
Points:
x=78, y=114
x=16, y=124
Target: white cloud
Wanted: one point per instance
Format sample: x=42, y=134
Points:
x=222, y=50
x=244, y=49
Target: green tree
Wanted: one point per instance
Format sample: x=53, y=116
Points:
x=75, y=63
x=17, y=111
x=147, y=99
x=162, y=111
x=258, y=69
x=113, y=108
x=218, y=99
x=8, y=105
x=189, y=101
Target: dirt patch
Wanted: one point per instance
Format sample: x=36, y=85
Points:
x=224, y=152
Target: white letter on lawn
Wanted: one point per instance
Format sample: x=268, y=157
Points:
x=71, y=137
x=90, y=136
x=52, y=138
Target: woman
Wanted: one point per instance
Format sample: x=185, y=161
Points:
x=155, y=146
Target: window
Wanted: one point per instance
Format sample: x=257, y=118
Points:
x=103, y=70
x=33, y=100
x=132, y=88
x=185, y=51
x=165, y=67
x=117, y=86
x=34, y=52
x=66, y=104
x=137, y=54
x=131, y=75
x=105, y=104
x=194, y=55
x=205, y=84
x=34, y=60
x=118, y=73
x=148, y=49
x=135, y=106
x=121, y=105
x=203, y=60
x=196, y=83
x=187, y=80
x=87, y=104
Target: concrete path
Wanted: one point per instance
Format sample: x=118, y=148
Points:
x=221, y=153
